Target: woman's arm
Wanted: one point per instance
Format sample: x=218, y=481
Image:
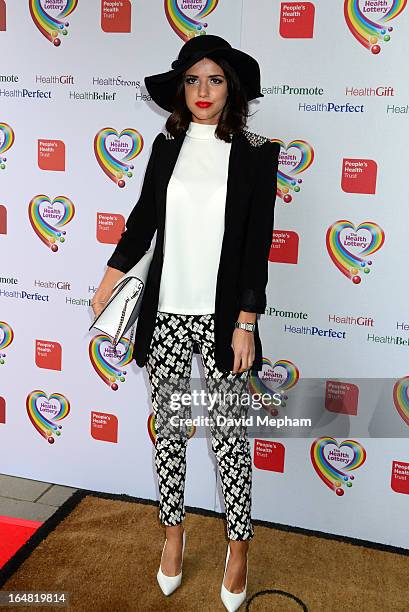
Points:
x=135, y=239
x=141, y=223
x=254, y=270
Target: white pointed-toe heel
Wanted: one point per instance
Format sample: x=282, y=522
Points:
x=168, y=584
x=232, y=601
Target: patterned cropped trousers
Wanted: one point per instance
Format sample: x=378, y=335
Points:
x=168, y=365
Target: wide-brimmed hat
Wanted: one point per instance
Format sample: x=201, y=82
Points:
x=162, y=87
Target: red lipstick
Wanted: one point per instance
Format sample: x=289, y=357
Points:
x=203, y=104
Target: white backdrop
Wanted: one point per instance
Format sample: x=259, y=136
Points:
x=330, y=97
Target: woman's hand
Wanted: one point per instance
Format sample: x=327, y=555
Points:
x=243, y=343
x=105, y=289
x=98, y=304
x=244, y=350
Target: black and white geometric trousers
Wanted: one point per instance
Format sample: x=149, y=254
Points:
x=168, y=365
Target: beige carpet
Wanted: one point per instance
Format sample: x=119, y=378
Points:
x=105, y=553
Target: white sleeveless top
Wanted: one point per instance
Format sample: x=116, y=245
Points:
x=194, y=223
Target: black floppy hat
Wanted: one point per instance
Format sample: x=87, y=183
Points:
x=162, y=87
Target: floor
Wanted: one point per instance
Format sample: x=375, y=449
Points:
x=31, y=499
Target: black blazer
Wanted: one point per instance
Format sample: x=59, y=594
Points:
x=243, y=269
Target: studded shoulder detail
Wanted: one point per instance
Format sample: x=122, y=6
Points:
x=256, y=140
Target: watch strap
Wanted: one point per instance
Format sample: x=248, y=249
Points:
x=247, y=326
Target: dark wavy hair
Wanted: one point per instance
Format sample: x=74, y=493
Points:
x=233, y=117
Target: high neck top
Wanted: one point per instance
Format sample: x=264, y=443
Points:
x=194, y=223
x=203, y=131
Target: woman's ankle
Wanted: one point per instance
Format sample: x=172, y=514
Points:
x=174, y=531
x=239, y=547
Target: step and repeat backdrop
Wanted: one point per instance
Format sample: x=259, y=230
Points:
x=76, y=128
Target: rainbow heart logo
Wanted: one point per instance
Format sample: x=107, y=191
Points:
x=294, y=159
x=50, y=17
x=6, y=142
x=114, y=151
x=106, y=364
x=46, y=412
x=368, y=24
x=282, y=374
x=276, y=377
x=6, y=338
x=190, y=431
x=401, y=398
x=349, y=249
x=47, y=218
x=333, y=461
x=186, y=19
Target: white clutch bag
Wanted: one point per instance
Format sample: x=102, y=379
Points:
x=122, y=309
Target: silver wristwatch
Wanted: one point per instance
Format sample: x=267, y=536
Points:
x=247, y=326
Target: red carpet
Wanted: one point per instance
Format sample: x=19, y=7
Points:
x=14, y=532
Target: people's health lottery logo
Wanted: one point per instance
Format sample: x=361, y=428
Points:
x=50, y=17
x=6, y=142
x=350, y=247
x=48, y=217
x=369, y=20
x=190, y=430
x=187, y=19
x=115, y=150
x=333, y=462
x=108, y=362
x=401, y=398
x=46, y=413
x=294, y=159
x=276, y=378
x=6, y=338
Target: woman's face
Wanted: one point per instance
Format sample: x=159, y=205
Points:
x=205, y=82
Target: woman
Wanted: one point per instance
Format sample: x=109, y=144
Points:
x=209, y=192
